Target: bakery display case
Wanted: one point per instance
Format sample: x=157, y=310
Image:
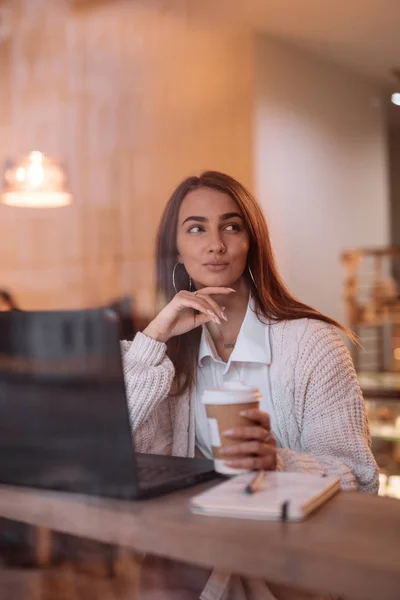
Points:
x=382, y=399
x=371, y=295
x=372, y=303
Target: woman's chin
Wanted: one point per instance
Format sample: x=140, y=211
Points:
x=216, y=280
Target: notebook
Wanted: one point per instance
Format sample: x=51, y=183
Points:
x=283, y=496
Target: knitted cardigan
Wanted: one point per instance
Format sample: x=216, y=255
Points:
x=320, y=419
x=320, y=413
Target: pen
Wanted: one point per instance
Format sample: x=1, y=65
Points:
x=256, y=483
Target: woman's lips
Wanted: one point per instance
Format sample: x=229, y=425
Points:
x=216, y=266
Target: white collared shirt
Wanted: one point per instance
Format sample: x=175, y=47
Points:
x=249, y=363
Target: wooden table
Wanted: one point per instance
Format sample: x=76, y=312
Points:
x=349, y=547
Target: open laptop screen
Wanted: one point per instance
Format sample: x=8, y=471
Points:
x=64, y=421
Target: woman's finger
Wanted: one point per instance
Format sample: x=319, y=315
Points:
x=254, y=463
x=204, y=295
x=201, y=319
x=250, y=433
x=214, y=306
x=252, y=447
x=216, y=291
x=187, y=300
x=258, y=416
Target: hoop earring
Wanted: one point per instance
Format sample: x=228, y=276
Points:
x=252, y=277
x=174, y=282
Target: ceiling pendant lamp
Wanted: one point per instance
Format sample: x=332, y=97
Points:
x=35, y=181
x=396, y=95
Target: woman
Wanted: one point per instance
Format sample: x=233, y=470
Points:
x=228, y=316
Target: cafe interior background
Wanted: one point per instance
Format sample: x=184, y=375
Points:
x=297, y=100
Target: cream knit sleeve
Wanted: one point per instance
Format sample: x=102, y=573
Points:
x=329, y=410
x=148, y=374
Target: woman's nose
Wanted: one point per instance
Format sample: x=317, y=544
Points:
x=217, y=245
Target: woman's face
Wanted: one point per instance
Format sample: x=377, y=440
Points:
x=212, y=241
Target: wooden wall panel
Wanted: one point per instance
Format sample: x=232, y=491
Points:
x=135, y=97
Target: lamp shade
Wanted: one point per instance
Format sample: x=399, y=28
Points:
x=396, y=98
x=35, y=181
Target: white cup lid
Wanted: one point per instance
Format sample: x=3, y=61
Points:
x=235, y=392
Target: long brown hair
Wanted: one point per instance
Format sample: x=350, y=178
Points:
x=273, y=300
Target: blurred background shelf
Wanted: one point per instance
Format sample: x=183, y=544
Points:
x=382, y=399
x=385, y=432
x=376, y=385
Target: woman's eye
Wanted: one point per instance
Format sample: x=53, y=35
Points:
x=232, y=227
x=229, y=227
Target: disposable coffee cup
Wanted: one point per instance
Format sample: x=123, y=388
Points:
x=223, y=408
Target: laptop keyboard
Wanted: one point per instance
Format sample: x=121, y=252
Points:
x=156, y=474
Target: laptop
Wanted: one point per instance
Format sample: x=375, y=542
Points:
x=64, y=422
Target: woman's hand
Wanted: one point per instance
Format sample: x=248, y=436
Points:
x=186, y=311
x=254, y=446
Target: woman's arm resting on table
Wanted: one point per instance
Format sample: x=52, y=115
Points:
x=334, y=427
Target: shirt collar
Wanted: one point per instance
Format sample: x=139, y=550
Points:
x=252, y=344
